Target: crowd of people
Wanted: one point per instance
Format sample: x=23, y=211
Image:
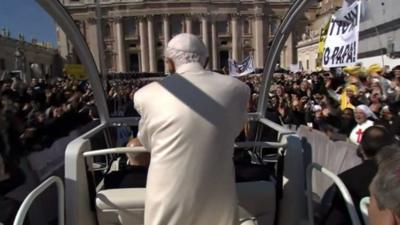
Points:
x=34, y=115
x=355, y=104
x=340, y=103
x=334, y=102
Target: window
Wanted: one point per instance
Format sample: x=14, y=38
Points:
x=274, y=26
x=159, y=27
x=222, y=27
x=176, y=25
x=109, y=59
x=223, y=59
x=246, y=27
x=2, y=64
x=107, y=31
x=196, y=27
x=308, y=64
x=134, y=62
x=130, y=27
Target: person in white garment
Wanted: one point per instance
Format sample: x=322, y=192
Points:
x=189, y=122
x=363, y=116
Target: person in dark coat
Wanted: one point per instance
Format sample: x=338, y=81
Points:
x=390, y=120
x=347, y=122
x=356, y=179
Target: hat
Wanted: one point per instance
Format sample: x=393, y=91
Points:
x=352, y=87
x=374, y=68
x=354, y=70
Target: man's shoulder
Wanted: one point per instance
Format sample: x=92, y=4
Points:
x=145, y=93
x=365, y=169
x=146, y=89
x=232, y=81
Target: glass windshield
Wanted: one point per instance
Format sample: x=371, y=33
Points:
x=128, y=39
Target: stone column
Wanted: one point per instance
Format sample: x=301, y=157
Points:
x=121, y=61
x=259, y=41
x=166, y=36
x=144, y=58
x=289, y=51
x=152, y=47
x=205, y=37
x=91, y=38
x=188, y=24
x=214, y=45
x=235, y=38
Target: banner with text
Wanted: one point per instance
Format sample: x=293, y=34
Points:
x=341, y=45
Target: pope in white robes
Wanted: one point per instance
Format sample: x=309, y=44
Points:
x=189, y=122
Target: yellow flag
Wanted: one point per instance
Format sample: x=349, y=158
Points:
x=75, y=71
x=321, y=44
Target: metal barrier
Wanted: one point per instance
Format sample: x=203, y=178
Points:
x=342, y=188
x=26, y=204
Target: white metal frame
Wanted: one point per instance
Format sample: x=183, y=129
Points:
x=342, y=188
x=364, y=203
x=65, y=21
x=26, y=204
x=138, y=149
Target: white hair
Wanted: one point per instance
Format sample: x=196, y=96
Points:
x=182, y=57
x=186, y=48
x=386, y=184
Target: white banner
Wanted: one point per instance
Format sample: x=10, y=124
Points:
x=238, y=70
x=341, y=45
x=295, y=68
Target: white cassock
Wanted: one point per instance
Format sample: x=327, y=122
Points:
x=358, y=130
x=189, y=123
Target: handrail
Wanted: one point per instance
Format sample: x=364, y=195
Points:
x=364, y=203
x=263, y=144
x=277, y=127
x=141, y=149
x=121, y=150
x=342, y=188
x=26, y=204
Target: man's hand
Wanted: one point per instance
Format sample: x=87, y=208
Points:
x=134, y=143
x=137, y=159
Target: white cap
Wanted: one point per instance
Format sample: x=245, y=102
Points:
x=188, y=43
x=367, y=111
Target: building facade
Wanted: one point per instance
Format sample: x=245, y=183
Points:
x=135, y=32
x=379, y=38
x=34, y=59
x=307, y=47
